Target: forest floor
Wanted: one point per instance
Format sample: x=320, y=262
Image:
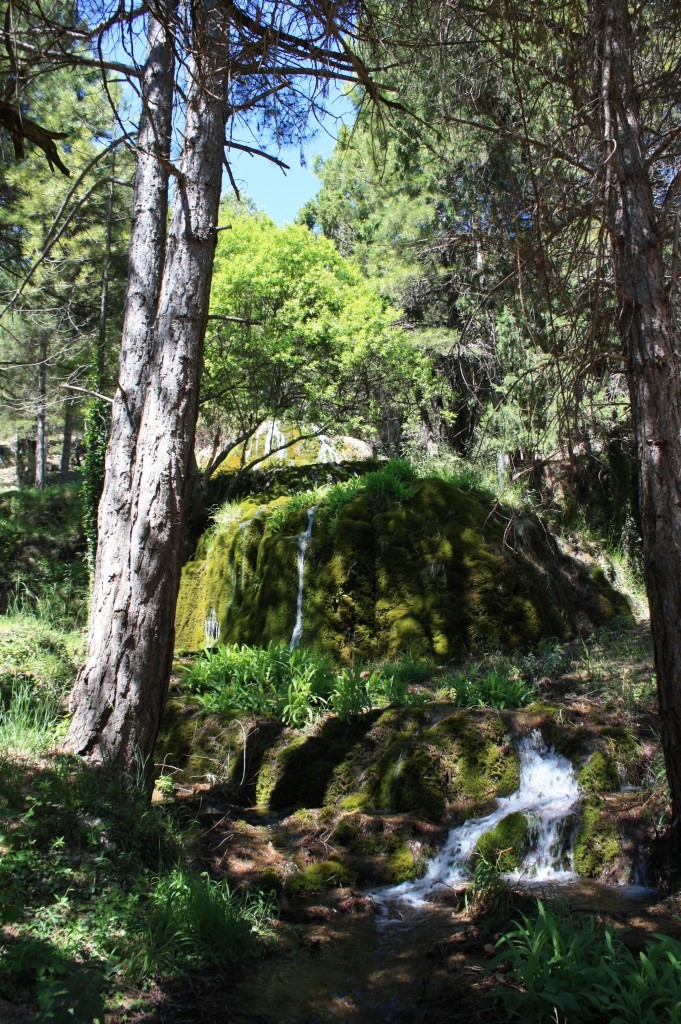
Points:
x=95, y=885
x=339, y=958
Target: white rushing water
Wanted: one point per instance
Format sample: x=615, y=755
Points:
x=303, y=541
x=548, y=794
x=266, y=440
x=327, y=450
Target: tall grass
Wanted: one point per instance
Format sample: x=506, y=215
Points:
x=296, y=686
x=573, y=969
x=31, y=720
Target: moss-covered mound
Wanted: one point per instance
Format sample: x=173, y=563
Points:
x=392, y=565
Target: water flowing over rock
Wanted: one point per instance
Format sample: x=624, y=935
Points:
x=303, y=541
x=547, y=797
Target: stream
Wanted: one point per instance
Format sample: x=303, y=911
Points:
x=421, y=957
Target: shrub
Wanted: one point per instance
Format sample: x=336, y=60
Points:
x=576, y=969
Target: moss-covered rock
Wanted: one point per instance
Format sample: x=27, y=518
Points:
x=506, y=845
x=597, y=844
x=317, y=878
x=429, y=568
x=401, y=866
x=392, y=761
x=599, y=774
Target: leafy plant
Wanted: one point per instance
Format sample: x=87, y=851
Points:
x=294, y=685
x=576, y=969
x=488, y=892
x=350, y=696
x=493, y=690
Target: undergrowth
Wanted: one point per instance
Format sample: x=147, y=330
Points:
x=43, y=567
x=296, y=685
x=574, y=970
x=97, y=892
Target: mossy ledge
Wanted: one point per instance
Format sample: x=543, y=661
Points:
x=435, y=571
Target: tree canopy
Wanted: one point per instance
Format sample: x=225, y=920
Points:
x=295, y=332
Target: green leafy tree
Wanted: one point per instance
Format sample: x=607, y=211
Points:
x=66, y=240
x=296, y=333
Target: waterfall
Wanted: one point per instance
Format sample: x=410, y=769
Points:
x=303, y=541
x=267, y=438
x=327, y=450
x=548, y=794
x=211, y=628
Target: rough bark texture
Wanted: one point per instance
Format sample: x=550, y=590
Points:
x=145, y=260
x=120, y=692
x=647, y=329
x=67, y=438
x=41, y=419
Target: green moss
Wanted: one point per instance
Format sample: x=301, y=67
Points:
x=200, y=745
x=424, y=569
x=316, y=879
x=408, y=778
x=599, y=774
x=401, y=866
x=507, y=844
x=276, y=787
x=481, y=763
x=622, y=744
x=354, y=802
x=597, y=843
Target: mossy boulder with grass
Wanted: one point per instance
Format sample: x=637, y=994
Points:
x=506, y=845
x=317, y=878
x=394, y=564
x=597, y=845
x=391, y=761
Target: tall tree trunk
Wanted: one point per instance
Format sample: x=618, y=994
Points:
x=100, y=368
x=120, y=692
x=145, y=258
x=647, y=329
x=67, y=437
x=41, y=418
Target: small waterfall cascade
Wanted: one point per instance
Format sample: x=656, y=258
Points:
x=303, y=541
x=266, y=440
x=548, y=795
x=211, y=628
x=328, y=451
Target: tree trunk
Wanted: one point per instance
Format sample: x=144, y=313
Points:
x=67, y=437
x=120, y=692
x=145, y=259
x=41, y=419
x=647, y=330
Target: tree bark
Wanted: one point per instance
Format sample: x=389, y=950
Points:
x=120, y=692
x=41, y=419
x=67, y=437
x=145, y=257
x=647, y=329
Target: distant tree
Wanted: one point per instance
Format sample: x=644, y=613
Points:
x=593, y=114
x=50, y=284
x=296, y=333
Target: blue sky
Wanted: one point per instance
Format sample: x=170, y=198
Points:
x=280, y=194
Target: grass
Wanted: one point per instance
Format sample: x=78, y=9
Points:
x=98, y=892
x=571, y=968
x=98, y=888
